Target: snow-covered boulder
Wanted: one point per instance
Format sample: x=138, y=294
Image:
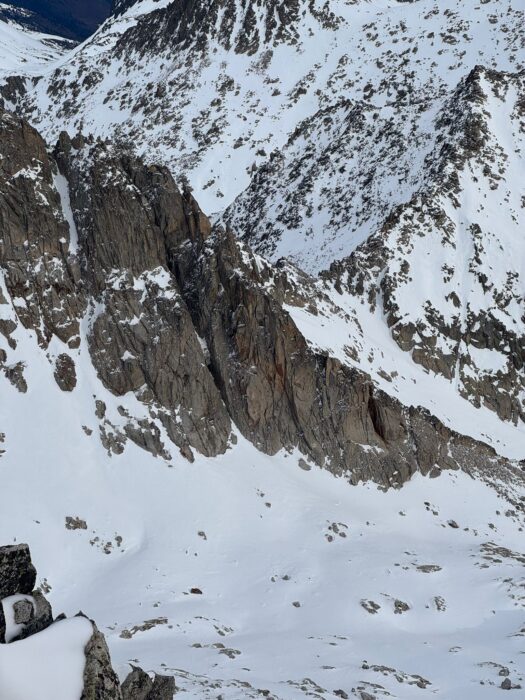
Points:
x=64, y=659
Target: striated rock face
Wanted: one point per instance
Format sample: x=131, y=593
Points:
x=281, y=394
x=141, y=337
x=187, y=320
x=111, y=264
x=40, y=274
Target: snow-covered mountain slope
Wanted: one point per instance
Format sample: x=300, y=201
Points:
x=161, y=417
x=442, y=279
x=213, y=88
x=102, y=255
x=383, y=108
x=23, y=51
x=345, y=171
x=205, y=448
x=380, y=107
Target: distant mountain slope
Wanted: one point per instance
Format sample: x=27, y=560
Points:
x=73, y=19
x=201, y=86
x=24, y=51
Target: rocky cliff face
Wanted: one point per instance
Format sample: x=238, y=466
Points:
x=104, y=254
x=141, y=336
x=244, y=27
x=391, y=148
x=41, y=275
x=280, y=393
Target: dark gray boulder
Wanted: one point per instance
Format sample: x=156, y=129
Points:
x=23, y=612
x=17, y=573
x=65, y=373
x=139, y=686
x=163, y=688
x=42, y=617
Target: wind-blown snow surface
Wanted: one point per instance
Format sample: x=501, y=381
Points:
x=25, y=52
x=47, y=666
x=288, y=560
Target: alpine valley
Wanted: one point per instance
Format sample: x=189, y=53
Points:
x=262, y=350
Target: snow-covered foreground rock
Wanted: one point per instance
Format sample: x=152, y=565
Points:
x=48, y=666
x=57, y=658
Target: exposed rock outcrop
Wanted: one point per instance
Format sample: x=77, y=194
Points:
x=65, y=373
x=100, y=680
x=17, y=573
x=140, y=686
x=190, y=321
x=245, y=27
x=41, y=275
x=40, y=617
x=142, y=340
x=32, y=613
